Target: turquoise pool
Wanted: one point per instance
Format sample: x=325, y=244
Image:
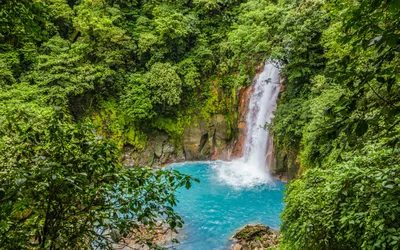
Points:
x=215, y=208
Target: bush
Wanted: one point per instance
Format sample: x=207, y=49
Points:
x=352, y=205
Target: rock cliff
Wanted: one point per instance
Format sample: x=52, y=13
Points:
x=202, y=139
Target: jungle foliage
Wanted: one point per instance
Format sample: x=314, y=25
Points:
x=338, y=118
x=152, y=59
x=63, y=187
x=135, y=67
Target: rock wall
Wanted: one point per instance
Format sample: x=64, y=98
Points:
x=158, y=151
x=243, y=107
x=202, y=140
x=207, y=140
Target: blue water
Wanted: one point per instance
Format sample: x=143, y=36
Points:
x=213, y=210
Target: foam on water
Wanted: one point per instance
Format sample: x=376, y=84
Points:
x=240, y=174
x=213, y=210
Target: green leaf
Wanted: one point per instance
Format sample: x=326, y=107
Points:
x=361, y=128
x=19, y=182
x=2, y=193
x=393, y=41
x=115, y=235
x=172, y=224
x=394, y=5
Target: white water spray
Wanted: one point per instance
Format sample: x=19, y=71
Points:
x=252, y=168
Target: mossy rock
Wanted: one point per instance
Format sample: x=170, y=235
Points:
x=251, y=232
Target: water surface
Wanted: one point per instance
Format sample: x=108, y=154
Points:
x=215, y=208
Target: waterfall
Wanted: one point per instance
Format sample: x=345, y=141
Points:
x=252, y=168
x=261, y=107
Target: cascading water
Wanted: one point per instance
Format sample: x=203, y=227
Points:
x=233, y=194
x=252, y=169
x=262, y=105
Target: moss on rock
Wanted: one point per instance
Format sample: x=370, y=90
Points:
x=255, y=236
x=251, y=232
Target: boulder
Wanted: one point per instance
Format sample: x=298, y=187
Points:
x=168, y=148
x=251, y=232
x=158, y=148
x=254, y=236
x=236, y=247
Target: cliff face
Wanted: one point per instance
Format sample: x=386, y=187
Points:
x=207, y=140
x=202, y=140
x=243, y=107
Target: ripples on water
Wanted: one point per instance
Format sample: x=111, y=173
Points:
x=224, y=200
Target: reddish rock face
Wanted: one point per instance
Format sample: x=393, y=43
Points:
x=243, y=107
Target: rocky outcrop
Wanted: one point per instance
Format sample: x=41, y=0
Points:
x=195, y=141
x=145, y=238
x=202, y=140
x=159, y=151
x=207, y=140
x=254, y=237
x=286, y=166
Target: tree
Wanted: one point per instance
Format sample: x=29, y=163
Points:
x=136, y=101
x=164, y=84
x=61, y=187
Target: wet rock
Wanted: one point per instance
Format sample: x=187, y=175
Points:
x=164, y=158
x=168, y=148
x=203, y=139
x=221, y=127
x=220, y=139
x=254, y=236
x=156, y=142
x=159, y=237
x=193, y=140
x=130, y=157
x=251, y=232
x=167, y=151
x=147, y=158
x=243, y=107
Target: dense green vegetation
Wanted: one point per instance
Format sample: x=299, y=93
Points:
x=132, y=59
x=64, y=188
x=338, y=119
x=72, y=71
